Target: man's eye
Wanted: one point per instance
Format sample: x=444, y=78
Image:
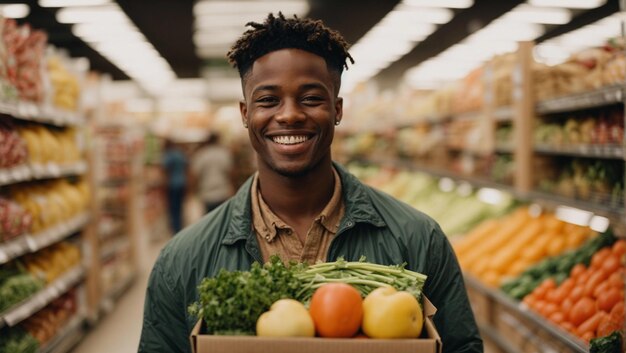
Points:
x=267, y=100
x=312, y=99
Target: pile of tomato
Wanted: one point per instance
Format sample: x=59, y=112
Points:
x=590, y=303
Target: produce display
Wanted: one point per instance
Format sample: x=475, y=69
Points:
x=14, y=219
x=52, y=262
x=505, y=247
x=50, y=145
x=13, y=151
x=65, y=93
x=24, y=57
x=16, y=285
x=590, y=302
x=46, y=323
x=51, y=202
x=17, y=340
x=584, y=71
x=232, y=302
x=456, y=210
x=593, y=180
x=605, y=127
x=555, y=267
x=29, y=73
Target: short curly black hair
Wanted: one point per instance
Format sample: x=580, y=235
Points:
x=283, y=33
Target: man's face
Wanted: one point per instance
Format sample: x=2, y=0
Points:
x=290, y=109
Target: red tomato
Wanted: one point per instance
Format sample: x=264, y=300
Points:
x=598, y=258
x=577, y=270
x=611, y=264
x=337, y=310
x=619, y=248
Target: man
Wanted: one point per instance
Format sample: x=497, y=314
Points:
x=175, y=166
x=211, y=169
x=300, y=204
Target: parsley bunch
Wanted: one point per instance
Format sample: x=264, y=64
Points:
x=231, y=302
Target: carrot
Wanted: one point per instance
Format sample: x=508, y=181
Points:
x=591, y=324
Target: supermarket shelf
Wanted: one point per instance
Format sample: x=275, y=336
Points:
x=67, y=337
x=40, y=114
x=600, y=97
x=42, y=298
x=492, y=334
x=468, y=115
x=573, y=344
x=556, y=200
x=115, y=247
x=504, y=149
x=503, y=114
x=30, y=243
x=40, y=171
x=588, y=151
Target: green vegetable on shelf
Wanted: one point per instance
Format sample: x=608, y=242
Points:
x=608, y=344
x=231, y=302
x=15, y=339
x=16, y=285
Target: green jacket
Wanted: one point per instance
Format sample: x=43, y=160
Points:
x=375, y=224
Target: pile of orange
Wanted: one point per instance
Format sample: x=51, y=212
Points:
x=590, y=303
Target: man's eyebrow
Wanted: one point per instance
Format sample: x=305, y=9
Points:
x=315, y=85
x=265, y=88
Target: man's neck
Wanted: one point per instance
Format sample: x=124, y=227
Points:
x=294, y=199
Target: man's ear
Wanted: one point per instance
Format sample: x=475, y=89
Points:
x=243, y=109
x=338, y=110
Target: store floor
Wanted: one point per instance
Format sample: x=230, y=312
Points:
x=119, y=330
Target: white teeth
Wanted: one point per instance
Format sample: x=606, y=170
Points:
x=289, y=140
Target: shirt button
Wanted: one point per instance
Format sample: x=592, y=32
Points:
x=349, y=224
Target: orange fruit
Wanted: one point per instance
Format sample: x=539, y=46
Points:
x=337, y=310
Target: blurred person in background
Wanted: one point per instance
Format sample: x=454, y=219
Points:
x=175, y=166
x=211, y=172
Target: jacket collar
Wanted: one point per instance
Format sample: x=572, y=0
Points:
x=359, y=207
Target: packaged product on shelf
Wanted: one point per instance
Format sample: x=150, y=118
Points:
x=52, y=262
x=14, y=219
x=65, y=89
x=13, y=151
x=46, y=323
x=8, y=92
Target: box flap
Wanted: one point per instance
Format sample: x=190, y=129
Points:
x=194, y=335
x=429, y=308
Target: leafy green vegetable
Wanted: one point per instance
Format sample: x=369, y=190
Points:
x=17, y=340
x=608, y=344
x=231, y=302
x=16, y=287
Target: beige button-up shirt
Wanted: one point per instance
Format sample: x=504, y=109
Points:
x=277, y=237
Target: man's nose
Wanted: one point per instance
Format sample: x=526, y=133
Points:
x=290, y=112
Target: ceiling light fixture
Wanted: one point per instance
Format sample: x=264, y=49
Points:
x=108, y=30
x=572, y=4
x=532, y=14
x=71, y=3
x=14, y=10
x=453, y=4
x=287, y=7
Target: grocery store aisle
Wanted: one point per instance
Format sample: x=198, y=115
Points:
x=119, y=330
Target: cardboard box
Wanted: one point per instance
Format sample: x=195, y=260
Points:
x=201, y=343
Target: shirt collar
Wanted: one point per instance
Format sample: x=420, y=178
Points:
x=266, y=223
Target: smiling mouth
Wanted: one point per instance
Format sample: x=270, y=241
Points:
x=289, y=140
